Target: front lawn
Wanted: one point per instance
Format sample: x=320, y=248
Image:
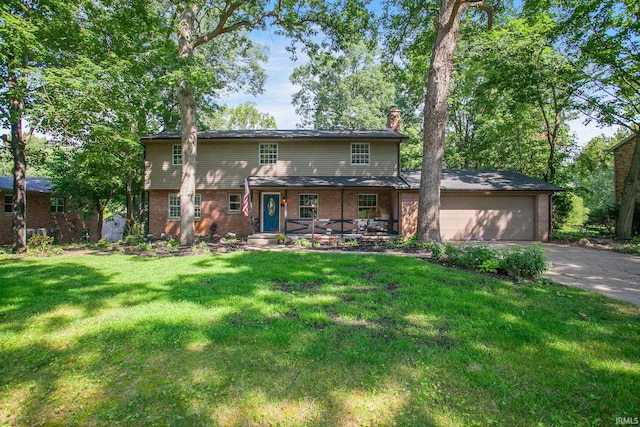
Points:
x=263, y=338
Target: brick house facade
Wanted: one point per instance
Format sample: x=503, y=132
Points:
x=338, y=182
x=622, y=155
x=47, y=214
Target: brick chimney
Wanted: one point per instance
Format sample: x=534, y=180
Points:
x=393, y=119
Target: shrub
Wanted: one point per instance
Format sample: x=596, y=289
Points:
x=470, y=255
x=134, y=240
x=41, y=246
x=489, y=266
x=302, y=242
x=524, y=263
x=438, y=250
x=104, y=245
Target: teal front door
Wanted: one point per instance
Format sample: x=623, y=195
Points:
x=270, y=213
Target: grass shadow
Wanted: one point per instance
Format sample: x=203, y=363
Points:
x=308, y=339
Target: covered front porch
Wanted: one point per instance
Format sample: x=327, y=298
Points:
x=345, y=228
x=326, y=206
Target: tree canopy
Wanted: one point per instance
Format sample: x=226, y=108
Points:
x=481, y=85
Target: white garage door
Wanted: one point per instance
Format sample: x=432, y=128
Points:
x=489, y=217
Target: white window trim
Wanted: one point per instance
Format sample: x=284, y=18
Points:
x=369, y=207
x=197, y=201
x=234, y=211
x=351, y=153
x=306, y=206
x=175, y=197
x=277, y=154
x=175, y=156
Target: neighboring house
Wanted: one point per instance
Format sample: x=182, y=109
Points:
x=350, y=180
x=47, y=214
x=622, y=154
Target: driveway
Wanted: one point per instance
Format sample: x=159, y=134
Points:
x=609, y=273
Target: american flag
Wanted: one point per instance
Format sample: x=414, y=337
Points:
x=246, y=199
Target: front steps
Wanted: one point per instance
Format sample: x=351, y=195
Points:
x=262, y=239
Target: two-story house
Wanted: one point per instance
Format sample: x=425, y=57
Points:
x=332, y=181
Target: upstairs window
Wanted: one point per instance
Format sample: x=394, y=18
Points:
x=360, y=154
x=57, y=205
x=308, y=205
x=8, y=203
x=268, y=154
x=176, y=157
x=366, y=202
x=174, y=206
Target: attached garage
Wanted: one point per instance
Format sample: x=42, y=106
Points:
x=502, y=217
x=500, y=205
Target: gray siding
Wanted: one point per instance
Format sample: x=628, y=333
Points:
x=225, y=165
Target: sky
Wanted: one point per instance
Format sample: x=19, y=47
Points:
x=278, y=91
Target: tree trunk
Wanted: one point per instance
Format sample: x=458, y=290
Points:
x=100, y=208
x=435, y=119
x=628, y=201
x=129, y=223
x=187, y=104
x=17, y=146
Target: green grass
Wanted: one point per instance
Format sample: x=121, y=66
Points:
x=305, y=339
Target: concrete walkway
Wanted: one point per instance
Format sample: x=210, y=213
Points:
x=613, y=274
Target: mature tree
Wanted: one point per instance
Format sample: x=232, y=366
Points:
x=91, y=176
x=512, y=96
x=436, y=113
x=590, y=176
x=32, y=35
x=347, y=90
x=605, y=35
x=242, y=117
x=103, y=100
x=216, y=23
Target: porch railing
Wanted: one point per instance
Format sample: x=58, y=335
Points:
x=366, y=227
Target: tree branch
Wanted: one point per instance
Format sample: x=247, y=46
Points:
x=221, y=29
x=482, y=5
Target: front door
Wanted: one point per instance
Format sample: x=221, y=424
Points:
x=270, y=212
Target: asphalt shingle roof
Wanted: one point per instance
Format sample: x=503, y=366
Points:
x=284, y=134
x=326, y=181
x=36, y=185
x=481, y=180
x=452, y=180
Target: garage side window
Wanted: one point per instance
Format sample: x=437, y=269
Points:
x=366, y=203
